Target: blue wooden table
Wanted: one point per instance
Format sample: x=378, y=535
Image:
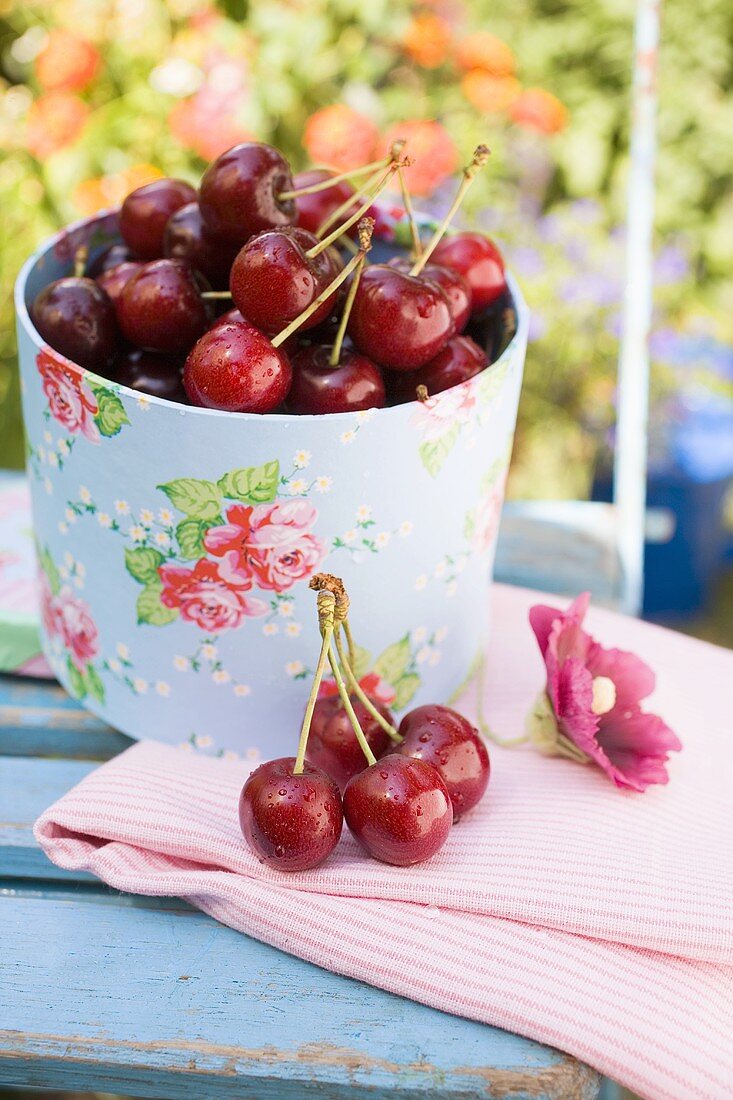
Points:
x=147, y=997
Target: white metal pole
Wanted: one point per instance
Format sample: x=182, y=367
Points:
x=633, y=369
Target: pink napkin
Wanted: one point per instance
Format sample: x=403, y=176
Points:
x=596, y=920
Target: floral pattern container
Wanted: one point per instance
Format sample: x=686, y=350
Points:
x=175, y=544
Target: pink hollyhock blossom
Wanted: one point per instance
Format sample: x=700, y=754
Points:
x=76, y=627
x=273, y=543
x=591, y=710
x=372, y=684
x=70, y=399
x=213, y=595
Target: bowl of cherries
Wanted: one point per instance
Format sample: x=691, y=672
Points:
x=229, y=388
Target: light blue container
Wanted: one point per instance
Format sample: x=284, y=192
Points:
x=176, y=544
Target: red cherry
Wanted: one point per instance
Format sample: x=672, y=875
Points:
x=161, y=308
x=235, y=367
x=459, y=360
x=228, y=317
x=113, y=280
x=273, y=279
x=399, y=321
x=291, y=822
x=355, y=384
x=76, y=318
x=480, y=263
x=449, y=742
x=453, y=285
x=159, y=375
x=332, y=743
x=399, y=809
x=187, y=238
x=108, y=258
x=239, y=192
x=145, y=212
x=312, y=210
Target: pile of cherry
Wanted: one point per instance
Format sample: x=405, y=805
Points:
x=399, y=791
x=310, y=327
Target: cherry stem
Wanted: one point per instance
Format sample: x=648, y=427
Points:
x=327, y=626
x=344, y=695
x=345, y=626
x=80, y=261
x=338, y=213
x=359, y=692
x=217, y=295
x=353, y=173
x=357, y=216
x=342, y=276
x=477, y=672
x=407, y=203
x=480, y=157
x=365, y=243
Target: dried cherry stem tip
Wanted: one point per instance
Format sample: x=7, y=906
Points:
x=325, y=294
x=479, y=159
x=214, y=295
x=326, y=605
x=352, y=173
x=80, y=261
x=366, y=228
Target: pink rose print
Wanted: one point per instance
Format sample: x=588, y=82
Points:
x=438, y=414
x=372, y=684
x=487, y=516
x=212, y=594
x=273, y=543
x=70, y=400
x=594, y=695
x=49, y=609
x=76, y=627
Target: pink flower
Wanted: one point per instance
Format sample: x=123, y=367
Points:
x=76, y=627
x=372, y=684
x=49, y=607
x=438, y=414
x=272, y=542
x=487, y=516
x=591, y=710
x=212, y=594
x=70, y=399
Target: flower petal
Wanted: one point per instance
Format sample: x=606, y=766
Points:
x=632, y=677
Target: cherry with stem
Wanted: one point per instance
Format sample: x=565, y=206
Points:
x=332, y=181
x=373, y=181
x=479, y=159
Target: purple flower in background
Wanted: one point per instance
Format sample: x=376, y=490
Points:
x=671, y=265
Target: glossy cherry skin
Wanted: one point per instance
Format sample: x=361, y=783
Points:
x=159, y=375
x=161, y=308
x=332, y=743
x=312, y=210
x=187, y=238
x=448, y=741
x=235, y=367
x=110, y=257
x=114, y=279
x=459, y=360
x=397, y=320
x=145, y=213
x=291, y=822
x=76, y=318
x=228, y=317
x=399, y=809
x=239, y=192
x=480, y=263
x=355, y=384
x=273, y=279
x=453, y=285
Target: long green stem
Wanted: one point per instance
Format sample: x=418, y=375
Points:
x=355, y=217
x=344, y=695
x=333, y=359
x=353, y=173
x=480, y=157
x=323, y=657
x=346, y=627
x=359, y=692
x=477, y=672
x=217, y=294
x=336, y=215
x=317, y=302
x=407, y=203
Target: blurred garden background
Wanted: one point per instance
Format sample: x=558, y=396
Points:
x=99, y=96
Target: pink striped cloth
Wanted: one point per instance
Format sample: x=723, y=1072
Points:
x=596, y=920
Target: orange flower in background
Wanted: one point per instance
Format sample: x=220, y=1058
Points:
x=53, y=121
x=427, y=40
x=536, y=109
x=66, y=62
x=490, y=93
x=340, y=137
x=431, y=148
x=207, y=125
x=482, y=50
x=94, y=195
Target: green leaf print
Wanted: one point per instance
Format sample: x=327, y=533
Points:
x=362, y=661
x=435, y=451
x=491, y=381
x=190, y=534
x=77, y=684
x=252, y=484
x=151, y=610
x=405, y=689
x=49, y=568
x=394, y=662
x=198, y=499
x=94, y=685
x=111, y=415
x=142, y=563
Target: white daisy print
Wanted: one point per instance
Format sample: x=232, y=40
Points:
x=301, y=459
x=104, y=519
x=181, y=663
x=84, y=495
x=163, y=688
x=122, y=508
x=323, y=484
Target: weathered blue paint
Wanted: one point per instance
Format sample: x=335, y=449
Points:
x=38, y=718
